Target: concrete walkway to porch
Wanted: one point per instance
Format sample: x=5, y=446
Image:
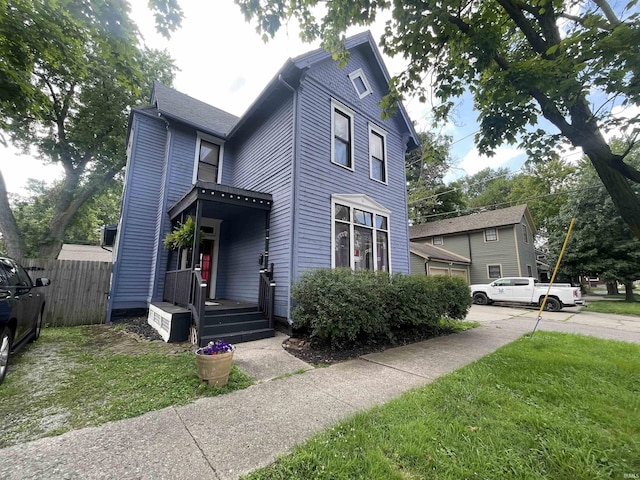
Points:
x=230, y=435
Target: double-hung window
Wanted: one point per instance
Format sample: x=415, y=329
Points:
x=525, y=234
x=491, y=235
x=341, y=135
x=378, y=154
x=360, y=235
x=208, y=159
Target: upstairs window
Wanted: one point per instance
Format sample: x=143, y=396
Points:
x=360, y=83
x=378, y=154
x=491, y=235
x=437, y=240
x=341, y=135
x=525, y=234
x=208, y=158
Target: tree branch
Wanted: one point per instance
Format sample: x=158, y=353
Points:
x=538, y=44
x=608, y=12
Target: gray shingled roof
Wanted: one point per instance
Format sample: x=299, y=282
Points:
x=429, y=252
x=198, y=114
x=476, y=221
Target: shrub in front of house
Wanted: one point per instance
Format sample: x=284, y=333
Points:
x=342, y=308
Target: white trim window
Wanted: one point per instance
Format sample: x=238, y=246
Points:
x=494, y=271
x=377, y=154
x=360, y=234
x=208, y=161
x=342, y=123
x=437, y=240
x=491, y=234
x=360, y=83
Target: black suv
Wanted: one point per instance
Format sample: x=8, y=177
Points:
x=21, y=309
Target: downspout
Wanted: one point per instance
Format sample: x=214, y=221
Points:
x=294, y=189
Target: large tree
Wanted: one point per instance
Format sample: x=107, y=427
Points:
x=69, y=72
x=428, y=196
x=601, y=243
x=567, y=61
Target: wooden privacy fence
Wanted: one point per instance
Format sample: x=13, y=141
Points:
x=78, y=293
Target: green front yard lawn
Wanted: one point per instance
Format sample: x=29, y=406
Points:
x=552, y=406
x=614, y=306
x=81, y=376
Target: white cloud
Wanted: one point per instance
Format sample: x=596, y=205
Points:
x=473, y=162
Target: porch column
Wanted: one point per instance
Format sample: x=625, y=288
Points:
x=267, y=223
x=195, y=253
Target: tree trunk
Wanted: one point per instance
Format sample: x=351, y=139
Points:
x=13, y=240
x=612, y=288
x=628, y=292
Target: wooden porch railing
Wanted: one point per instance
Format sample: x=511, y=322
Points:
x=199, y=295
x=177, y=287
x=266, y=294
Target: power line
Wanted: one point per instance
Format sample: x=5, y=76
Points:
x=465, y=186
x=520, y=201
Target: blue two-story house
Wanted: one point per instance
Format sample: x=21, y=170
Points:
x=310, y=176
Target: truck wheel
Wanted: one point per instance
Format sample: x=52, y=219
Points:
x=553, y=305
x=480, y=298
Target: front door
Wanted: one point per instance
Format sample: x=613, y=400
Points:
x=209, y=253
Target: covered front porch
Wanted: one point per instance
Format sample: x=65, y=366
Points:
x=221, y=280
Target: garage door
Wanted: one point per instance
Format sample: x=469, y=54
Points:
x=456, y=272
x=438, y=271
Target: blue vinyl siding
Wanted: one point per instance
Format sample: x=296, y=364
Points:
x=262, y=161
x=137, y=232
x=241, y=243
x=319, y=178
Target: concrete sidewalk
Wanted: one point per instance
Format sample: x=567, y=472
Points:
x=230, y=435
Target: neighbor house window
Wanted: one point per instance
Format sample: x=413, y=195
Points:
x=495, y=271
x=525, y=234
x=490, y=235
x=360, y=83
x=437, y=240
x=342, y=135
x=529, y=271
x=378, y=153
x=208, y=159
x=360, y=235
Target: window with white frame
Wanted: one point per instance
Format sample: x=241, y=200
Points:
x=437, y=240
x=360, y=235
x=360, y=83
x=208, y=159
x=342, y=135
x=525, y=234
x=494, y=271
x=491, y=235
x=378, y=154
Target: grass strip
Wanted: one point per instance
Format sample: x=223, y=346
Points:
x=614, y=306
x=552, y=406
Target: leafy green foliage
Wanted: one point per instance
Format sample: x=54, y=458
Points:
x=427, y=194
x=70, y=73
x=342, y=308
x=601, y=242
x=181, y=236
x=553, y=406
x=570, y=62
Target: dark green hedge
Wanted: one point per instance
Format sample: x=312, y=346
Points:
x=342, y=308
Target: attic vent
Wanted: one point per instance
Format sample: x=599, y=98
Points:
x=360, y=83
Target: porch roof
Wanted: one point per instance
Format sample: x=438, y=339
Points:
x=229, y=198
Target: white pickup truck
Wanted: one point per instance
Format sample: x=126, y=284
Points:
x=527, y=291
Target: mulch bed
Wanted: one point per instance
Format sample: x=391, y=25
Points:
x=139, y=326
x=301, y=348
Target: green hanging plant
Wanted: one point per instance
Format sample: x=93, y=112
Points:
x=181, y=236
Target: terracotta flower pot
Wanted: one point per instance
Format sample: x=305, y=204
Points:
x=214, y=368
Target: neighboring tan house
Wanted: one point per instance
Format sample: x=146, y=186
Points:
x=310, y=176
x=494, y=244
x=94, y=253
